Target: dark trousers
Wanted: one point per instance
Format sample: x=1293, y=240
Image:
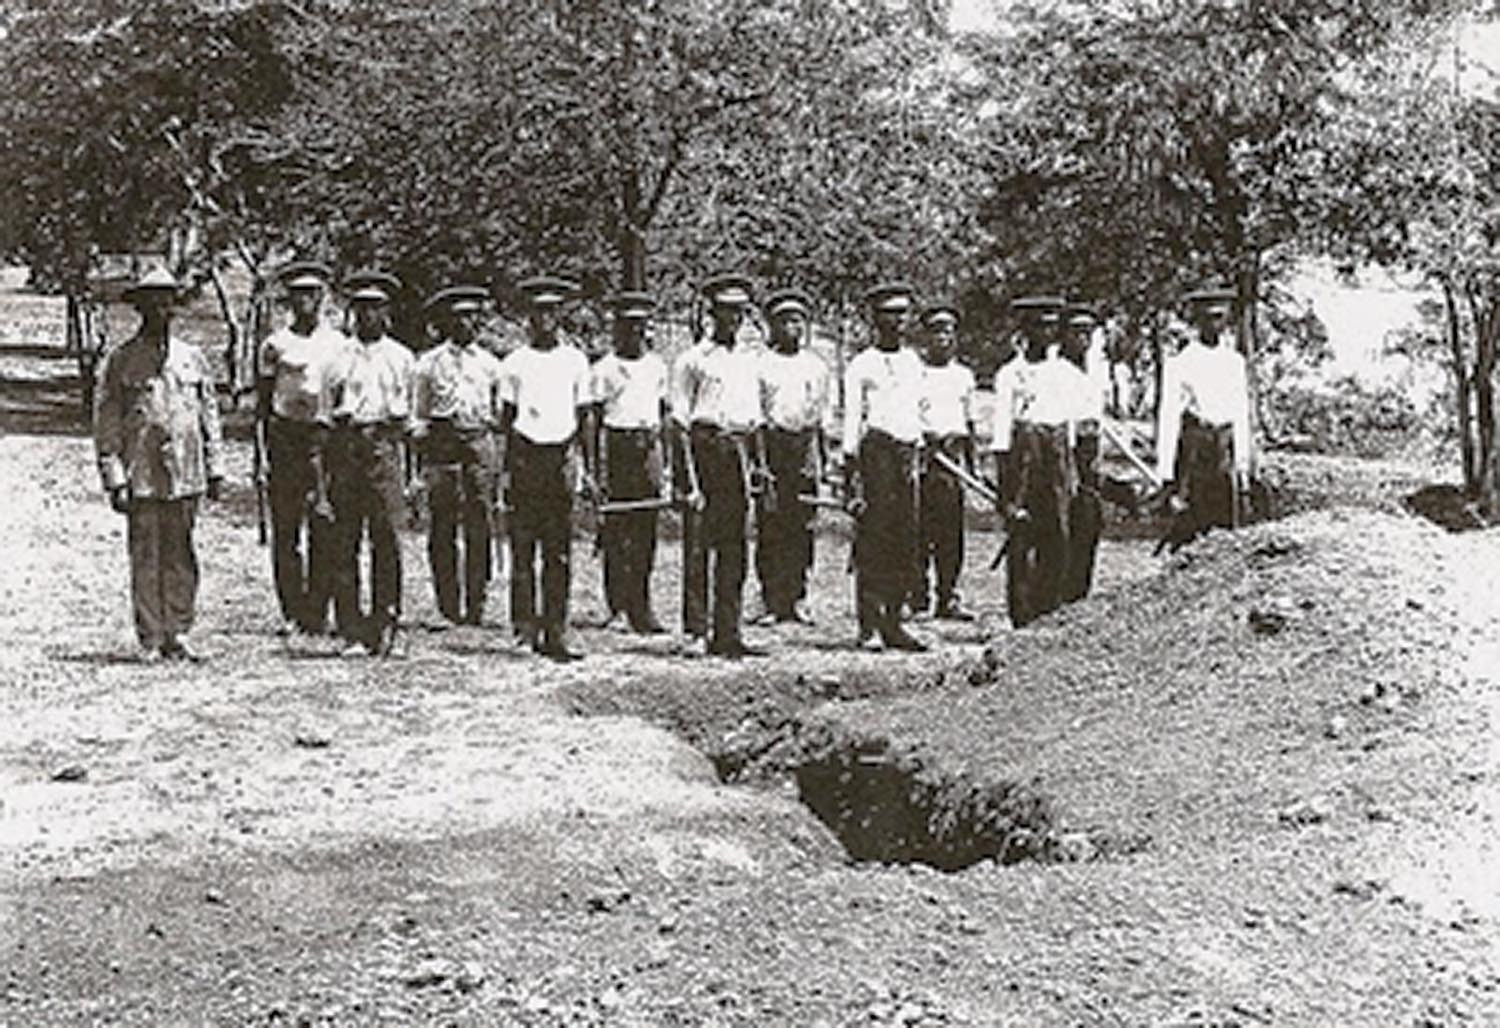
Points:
x=367, y=499
x=541, y=525
x=628, y=539
x=460, y=469
x=885, y=538
x=1205, y=472
x=940, y=520
x=303, y=545
x=1085, y=518
x=783, y=532
x=163, y=568
x=1041, y=481
x=713, y=539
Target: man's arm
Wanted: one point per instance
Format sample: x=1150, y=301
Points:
x=109, y=435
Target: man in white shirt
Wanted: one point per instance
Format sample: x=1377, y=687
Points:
x=1086, y=513
x=947, y=405
x=1036, y=407
x=547, y=401
x=455, y=414
x=717, y=419
x=1203, y=426
x=881, y=432
x=794, y=403
x=630, y=390
x=370, y=403
x=295, y=364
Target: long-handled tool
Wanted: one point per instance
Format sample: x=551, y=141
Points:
x=1135, y=459
x=979, y=487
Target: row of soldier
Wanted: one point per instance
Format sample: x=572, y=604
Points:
x=727, y=434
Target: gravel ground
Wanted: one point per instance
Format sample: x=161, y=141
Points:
x=1269, y=763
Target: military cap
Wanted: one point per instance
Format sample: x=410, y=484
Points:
x=890, y=296
x=729, y=289
x=788, y=299
x=372, y=286
x=632, y=304
x=1045, y=308
x=1215, y=293
x=457, y=299
x=1080, y=316
x=305, y=275
x=157, y=280
x=937, y=312
x=547, y=290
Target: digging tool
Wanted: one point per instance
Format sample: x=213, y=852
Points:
x=630, y=506
x=977, y=485
x=815, y=500
x=1135, y=459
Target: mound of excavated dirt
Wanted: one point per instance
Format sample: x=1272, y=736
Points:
x=1193, y=702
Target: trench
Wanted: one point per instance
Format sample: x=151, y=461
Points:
x=887, y=803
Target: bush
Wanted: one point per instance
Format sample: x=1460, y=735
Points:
x=1346, y=416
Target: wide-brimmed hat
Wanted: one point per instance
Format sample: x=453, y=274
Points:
x=890, y=296
x=789, y=299
x=457, y=299
x=632, y=305
x=305, y=275
x=155, y=282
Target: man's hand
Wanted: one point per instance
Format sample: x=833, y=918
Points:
x=119, y=499
x=216, y=489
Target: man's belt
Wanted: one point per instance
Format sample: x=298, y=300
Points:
x=632, y=431
x=391, y=429
x=715, y=429
x=456, y=430
x=1191, y=420
x=881, y=437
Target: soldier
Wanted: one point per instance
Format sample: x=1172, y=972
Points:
x=371, y=409
x=882, y=430
x=1203, y=426
x=296, y=363
x=1035, y=415
x=947, y=406
x=455, y=413
x=156, y=432
x=716, y=412
x=630, y=388
x=547, y=398
x=794, y=406
x=1085, y=513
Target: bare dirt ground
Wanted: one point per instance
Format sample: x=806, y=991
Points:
x=1266, y=769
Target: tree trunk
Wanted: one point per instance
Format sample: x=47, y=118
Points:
x=1463, y=392
x=1246, y=331
x=1158, y=368
x=1484, y=396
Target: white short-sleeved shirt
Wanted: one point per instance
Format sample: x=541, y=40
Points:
x=719, y=385
x=882, y=391
x=1209, y=383
x=300, y=367
x=632, y=391
x=1045, y=393
x=458, y=384
x=947, y=402
x=372, y=382
x=793, y=390
x=547, y=387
